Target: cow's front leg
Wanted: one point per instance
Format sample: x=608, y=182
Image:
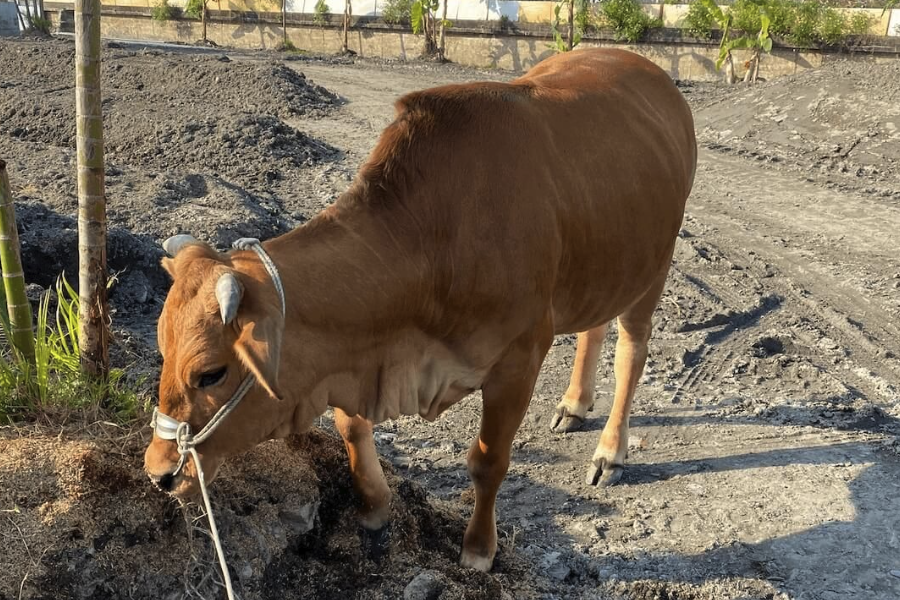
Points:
x=579, y=397
x=368, y=478
x=506, y=393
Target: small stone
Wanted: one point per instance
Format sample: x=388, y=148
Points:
x=559, y=572
x=246, y=573
x=636, y=443
x=302, y=519
x=382, y=437
x=896, y=573
x=427, y=585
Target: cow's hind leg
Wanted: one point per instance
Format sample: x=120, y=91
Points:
x=635, y=326
x=579, y=397
x=368, y=479
x=506, y=394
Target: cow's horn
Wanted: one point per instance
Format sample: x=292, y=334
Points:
x=177, y=242
x=228, y=293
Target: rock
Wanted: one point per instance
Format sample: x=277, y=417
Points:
x=427, y=585
x=301, y=519
x=382, y=437
x=896, y=573
x=559, y=572
x=554, y=567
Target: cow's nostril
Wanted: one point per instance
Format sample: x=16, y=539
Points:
x=164, y=482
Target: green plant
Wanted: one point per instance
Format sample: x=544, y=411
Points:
x=627, y=19
x=561, y=42
x=420, y=12
x=288, y=46
x=162, y=11
x=584, y=17
x=804, y=22
x=424, y=22
x=780, y=14
x=830, y=27
x=41, y=24
x=321, y=15
x=194, y=9
x=699, y=20
x=55, y=378
x=859, y=24
x=746, y=15
x=396, y=12
x=723, y=19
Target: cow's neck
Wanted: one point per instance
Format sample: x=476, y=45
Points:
x=350, y=288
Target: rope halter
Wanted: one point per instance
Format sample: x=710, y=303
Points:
x=167, y=428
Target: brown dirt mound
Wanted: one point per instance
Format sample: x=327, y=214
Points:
x=194, y=85
x=194, y=144
x=82, y=521
x=842, y=121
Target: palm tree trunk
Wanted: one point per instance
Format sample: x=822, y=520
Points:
x=570, y=35
x=13, y=279
x=92, y=277
x=203, y=16
x=284, y=24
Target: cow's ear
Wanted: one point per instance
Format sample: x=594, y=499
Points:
x=259, y=348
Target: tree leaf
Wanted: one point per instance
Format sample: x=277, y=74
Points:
x=417, y=16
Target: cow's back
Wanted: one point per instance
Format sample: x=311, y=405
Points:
x=562, y=190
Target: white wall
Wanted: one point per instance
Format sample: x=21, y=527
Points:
x=476, y=10
x=894, y=27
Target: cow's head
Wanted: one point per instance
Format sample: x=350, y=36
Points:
x=219, y=325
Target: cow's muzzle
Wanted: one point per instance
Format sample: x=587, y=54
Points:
x=164, y=482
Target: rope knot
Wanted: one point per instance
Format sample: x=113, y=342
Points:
x=183, y=438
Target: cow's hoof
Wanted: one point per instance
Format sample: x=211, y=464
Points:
x=565, y=422
x=376, y=542
x=605, y=474
x=470, y=560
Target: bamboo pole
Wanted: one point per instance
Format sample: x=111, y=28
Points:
x=13, y=279
x=348, y=11
x=92, y=277
x=442, y=49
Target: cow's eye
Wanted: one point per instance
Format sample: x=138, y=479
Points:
x=212, y=378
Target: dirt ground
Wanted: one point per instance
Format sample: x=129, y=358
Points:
x=764, y=460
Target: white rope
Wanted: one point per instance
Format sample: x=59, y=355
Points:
x=168, y=428
x=212, y=526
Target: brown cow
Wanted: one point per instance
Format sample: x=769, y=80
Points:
x=489, y=218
